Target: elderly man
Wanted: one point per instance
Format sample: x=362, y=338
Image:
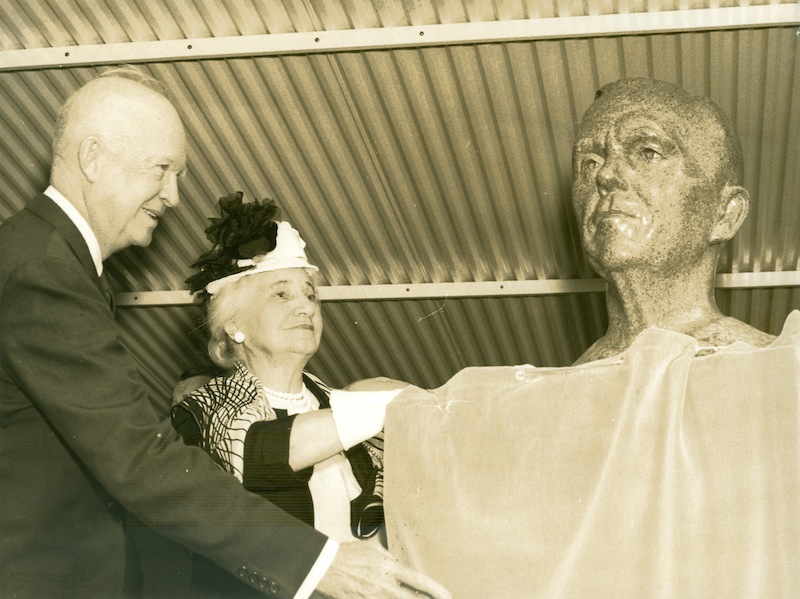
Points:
x=657, y=192
x=79, y=440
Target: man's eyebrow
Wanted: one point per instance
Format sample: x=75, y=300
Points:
x=650, y=134
x=644, y=130
x=585, y=145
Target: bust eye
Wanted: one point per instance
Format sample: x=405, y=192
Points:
x=590, y=164
x=650, y=154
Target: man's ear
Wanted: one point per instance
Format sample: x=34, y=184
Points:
x=88, y=153
x=733, y=208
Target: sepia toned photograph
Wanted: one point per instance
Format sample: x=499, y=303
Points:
x=399, y=299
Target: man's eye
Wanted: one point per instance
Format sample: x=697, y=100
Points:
x=589, y=164
x=650, y=154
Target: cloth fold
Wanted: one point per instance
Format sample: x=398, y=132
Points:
x=655, y=473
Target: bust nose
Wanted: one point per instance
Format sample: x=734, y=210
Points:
x=610, y=176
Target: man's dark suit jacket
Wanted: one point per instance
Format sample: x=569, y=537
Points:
x=79, y=441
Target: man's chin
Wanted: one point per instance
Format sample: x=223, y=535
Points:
x=143, y=240
x=611, y=257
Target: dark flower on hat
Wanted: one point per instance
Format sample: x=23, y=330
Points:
x=244, y=230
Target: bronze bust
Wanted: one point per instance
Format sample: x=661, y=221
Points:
x=657, y=190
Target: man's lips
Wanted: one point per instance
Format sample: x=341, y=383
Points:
x=614, y=214
x=154, y=214
x=614, y=208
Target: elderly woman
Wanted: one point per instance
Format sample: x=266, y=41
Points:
x=268, y=422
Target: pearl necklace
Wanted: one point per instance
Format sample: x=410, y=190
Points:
x=284, y=396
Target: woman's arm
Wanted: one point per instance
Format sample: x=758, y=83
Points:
x=277, y=452
x=313, y=439
x=318, y=435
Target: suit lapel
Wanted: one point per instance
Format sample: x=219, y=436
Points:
x=48, y=210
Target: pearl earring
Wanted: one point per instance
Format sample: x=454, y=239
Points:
x=238, y=337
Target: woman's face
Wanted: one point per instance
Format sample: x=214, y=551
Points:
x=279, y=313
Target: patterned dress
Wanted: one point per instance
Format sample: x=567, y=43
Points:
x=247, y=435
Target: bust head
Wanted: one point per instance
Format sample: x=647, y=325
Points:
x=656, y=178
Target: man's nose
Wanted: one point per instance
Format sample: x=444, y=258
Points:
x=169, y=190
x=610, y=176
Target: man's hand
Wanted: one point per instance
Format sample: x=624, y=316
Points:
x=367, y=571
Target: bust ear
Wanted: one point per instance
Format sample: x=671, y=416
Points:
x=734, y=205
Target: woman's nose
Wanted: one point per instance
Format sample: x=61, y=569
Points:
x=304, y=305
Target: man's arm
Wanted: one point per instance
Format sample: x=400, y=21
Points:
x=60, y=346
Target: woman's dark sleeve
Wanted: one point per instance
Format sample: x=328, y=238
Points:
x=266, y=457
x=366, y=511
x=184, y=422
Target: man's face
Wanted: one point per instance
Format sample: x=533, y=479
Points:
x=639, y=193
x=138, y=180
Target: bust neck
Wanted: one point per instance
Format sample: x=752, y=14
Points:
x=683, y=302
x=637, y=299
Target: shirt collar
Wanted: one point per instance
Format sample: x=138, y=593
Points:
x=80, y=223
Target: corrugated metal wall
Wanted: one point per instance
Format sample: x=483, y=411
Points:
x=54, y=23
x=414, y=165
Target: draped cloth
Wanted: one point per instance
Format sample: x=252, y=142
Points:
x=656, y=473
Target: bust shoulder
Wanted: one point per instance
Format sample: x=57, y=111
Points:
x=727, y=330
x=717, y=332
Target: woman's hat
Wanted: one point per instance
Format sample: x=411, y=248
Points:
x=246, y=240
x=289, y=252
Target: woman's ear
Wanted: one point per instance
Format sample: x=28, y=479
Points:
x=230, y=328
x=233, y=332
x=734, y=205
x=88, y=153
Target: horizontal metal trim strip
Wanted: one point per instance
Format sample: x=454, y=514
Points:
x=406, y=36
x=340, y=293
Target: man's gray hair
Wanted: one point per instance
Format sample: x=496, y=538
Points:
x=127, y=71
